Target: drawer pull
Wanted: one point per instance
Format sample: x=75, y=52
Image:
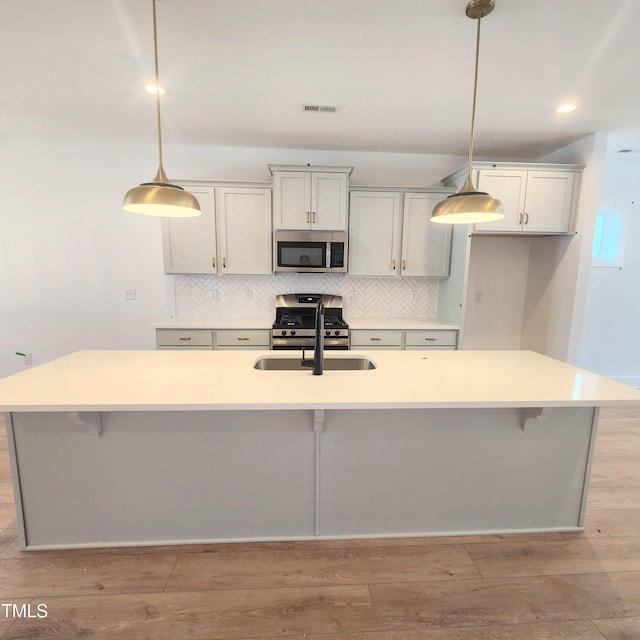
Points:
x=314, y=217
x=185, y=339
x=224, y=262
x=431, y=339
x=521, y=217
x=526, y=218
x=213, y=262
x=393, y=264
x=375, y=339
x=307, y=217
x=404, y=264
x=243, y=339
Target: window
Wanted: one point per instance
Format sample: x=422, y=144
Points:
x=607, y=240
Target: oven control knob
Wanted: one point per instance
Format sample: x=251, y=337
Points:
x=327, y=333
x=337, y=332
x=293, y=332
x=284, y=332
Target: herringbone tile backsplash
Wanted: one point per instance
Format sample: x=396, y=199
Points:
x=254, y=296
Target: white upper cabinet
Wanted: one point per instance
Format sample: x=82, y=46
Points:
x=391, y=234
x=537, y=198
x=232, y=236
x=310, y=198
x=426, y=245
x=244, y=230
x=190, y=243
x=375, y=230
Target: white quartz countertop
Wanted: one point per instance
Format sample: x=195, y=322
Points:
x=398, y=323
x=216, y=323
x=262, y=323
x=226, y=380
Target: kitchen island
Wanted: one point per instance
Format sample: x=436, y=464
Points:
x=157, y=447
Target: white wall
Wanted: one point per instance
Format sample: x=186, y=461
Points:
x=496, y=292
x=611, y=338
x=559, y=271
x=67, y=250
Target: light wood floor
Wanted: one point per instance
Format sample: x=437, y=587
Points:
x=545, y=587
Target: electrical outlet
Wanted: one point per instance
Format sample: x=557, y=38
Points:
x=28, y=359
x=413, y=296
x=129, y=294
x=479, y=296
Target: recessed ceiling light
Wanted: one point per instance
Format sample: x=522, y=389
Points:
x=153, y=89
x=566, y=107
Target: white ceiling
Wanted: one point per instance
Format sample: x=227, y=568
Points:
x=401, y=72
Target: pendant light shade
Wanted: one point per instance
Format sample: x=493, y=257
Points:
x=160, y=197
x=469, y=205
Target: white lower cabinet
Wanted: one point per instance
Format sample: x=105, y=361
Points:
x=231, y=236
x=391, y=234
x=243, y=339
x=431, y=339
x=191, y=339
x=436, y=339
x=184, y=339
x=375, y=339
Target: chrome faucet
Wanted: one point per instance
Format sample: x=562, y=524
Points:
x=318, y=350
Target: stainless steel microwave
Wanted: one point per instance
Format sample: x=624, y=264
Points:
x=310, y=251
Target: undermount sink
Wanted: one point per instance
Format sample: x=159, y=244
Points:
x=269, y=363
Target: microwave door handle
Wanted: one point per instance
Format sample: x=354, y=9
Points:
x=328, y=257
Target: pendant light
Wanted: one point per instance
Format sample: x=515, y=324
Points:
x=470, y=205
x=160, y=197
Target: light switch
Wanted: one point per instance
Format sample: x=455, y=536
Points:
x=129, y=294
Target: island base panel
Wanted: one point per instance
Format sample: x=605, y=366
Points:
x=197, y=476
x=453, y=471
x=165, y=476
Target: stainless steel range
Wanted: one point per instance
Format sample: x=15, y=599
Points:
x=294, y=327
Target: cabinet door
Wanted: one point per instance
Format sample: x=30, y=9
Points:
x=548, y=201
x=375, y=226
x=189, y=244
x=510, y=188
x=426, y=246
x=292, y=199
x=329, y=201
x=244, y=230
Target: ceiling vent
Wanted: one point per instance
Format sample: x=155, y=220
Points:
x=320, y=108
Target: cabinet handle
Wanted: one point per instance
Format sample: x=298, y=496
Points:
x=307, y=217
x=224, y=262
x=404, y=264
x=393, y=264
x=185, y=339
x=431, y=339
x=526, y=218
x=375, y=339
x=243, y=339
x=213, y=262
x=521, y=217
x=314, y=217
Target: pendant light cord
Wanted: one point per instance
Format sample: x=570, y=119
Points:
x=475, y=94
x=161, y=176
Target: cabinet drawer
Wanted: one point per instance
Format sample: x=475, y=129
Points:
x=431, y=338
x=168, y=347
x=184, y=337
x=363, y=338
x=246, y=338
